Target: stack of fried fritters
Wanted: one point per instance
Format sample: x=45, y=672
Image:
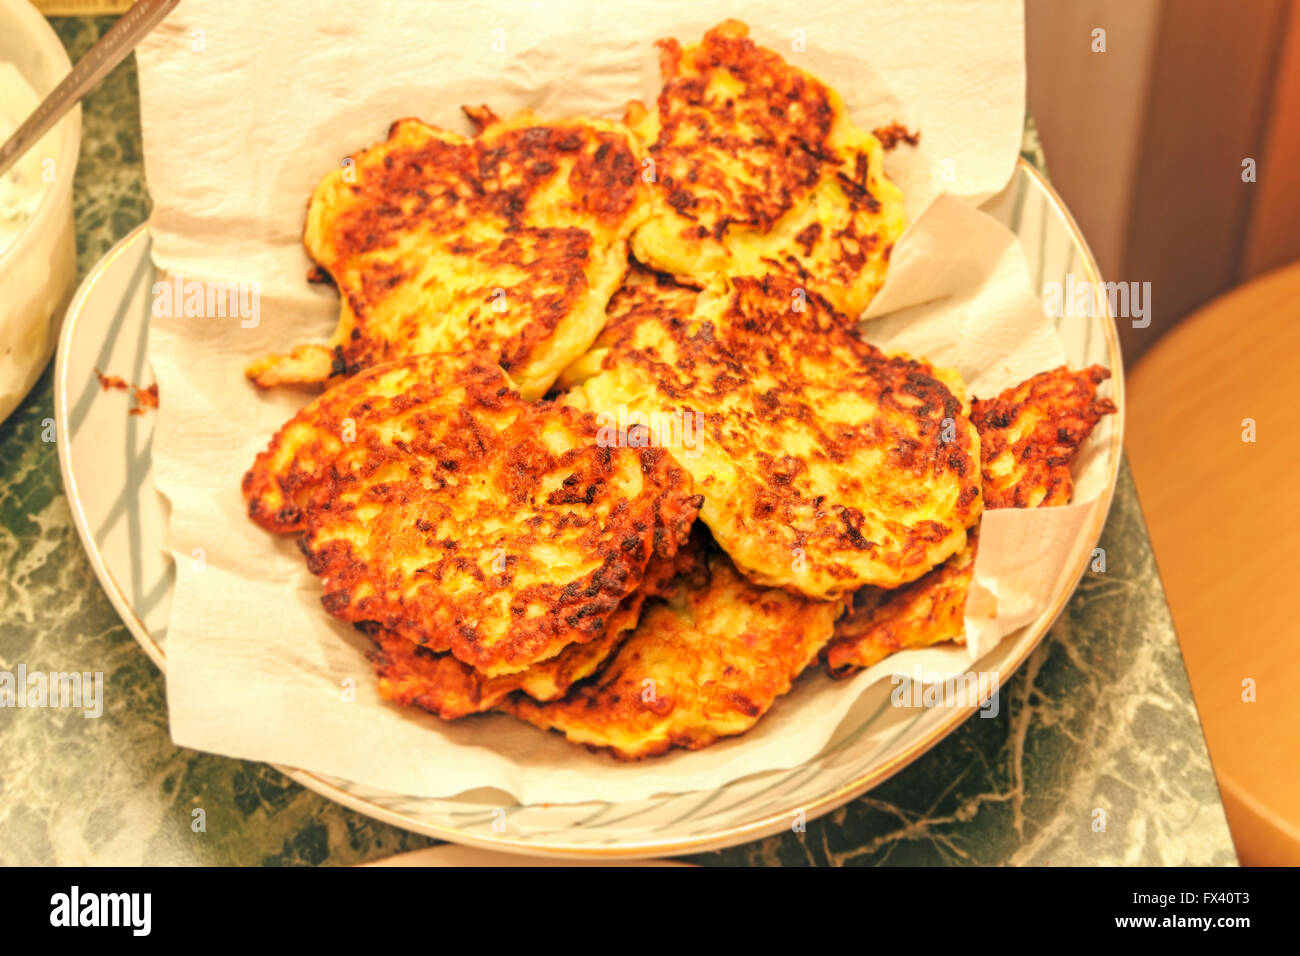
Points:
x=540, y=556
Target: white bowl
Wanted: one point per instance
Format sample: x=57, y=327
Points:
x=38, y=270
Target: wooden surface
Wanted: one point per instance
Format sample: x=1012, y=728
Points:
x=1146, y=141
x=1224, y=518
x=1207, y=107
x=1272, y=237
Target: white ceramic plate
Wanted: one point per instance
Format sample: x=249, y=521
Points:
x=104, y=453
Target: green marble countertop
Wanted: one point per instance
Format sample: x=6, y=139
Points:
x=1100, y=716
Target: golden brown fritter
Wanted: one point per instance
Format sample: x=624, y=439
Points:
x=393, y=398
x=1030, y=433
x=824, y=464
x=511, y=242
x=760, y=169
x=645, y=294
x=412, y=675
x=706, y=664
x=928, y=611
x=464, y=518
x=1040, y=424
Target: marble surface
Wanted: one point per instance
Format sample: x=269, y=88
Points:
x=1099, y=718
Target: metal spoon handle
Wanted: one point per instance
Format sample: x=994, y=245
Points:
x=111, y=50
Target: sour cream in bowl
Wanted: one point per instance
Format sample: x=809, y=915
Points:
x=21, y=188
x=38, y=249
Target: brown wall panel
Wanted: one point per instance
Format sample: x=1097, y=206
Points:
x=1211, y=86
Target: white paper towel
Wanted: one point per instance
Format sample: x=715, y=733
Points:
x=246, y=105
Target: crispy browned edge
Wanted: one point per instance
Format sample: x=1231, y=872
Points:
x=931, y=610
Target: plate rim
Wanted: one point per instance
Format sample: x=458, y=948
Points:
x=720, y=839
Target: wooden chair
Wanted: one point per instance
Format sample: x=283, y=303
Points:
x=1213, y=438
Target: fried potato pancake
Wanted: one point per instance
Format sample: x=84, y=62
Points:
x=388, y=405
x=706, y=664
x=437, y=503
x=825, y=465
x=760, y=169
x=1029, y=436
x=928, y=611
x=412, y=675
x=511, y=242
x=644, y=293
